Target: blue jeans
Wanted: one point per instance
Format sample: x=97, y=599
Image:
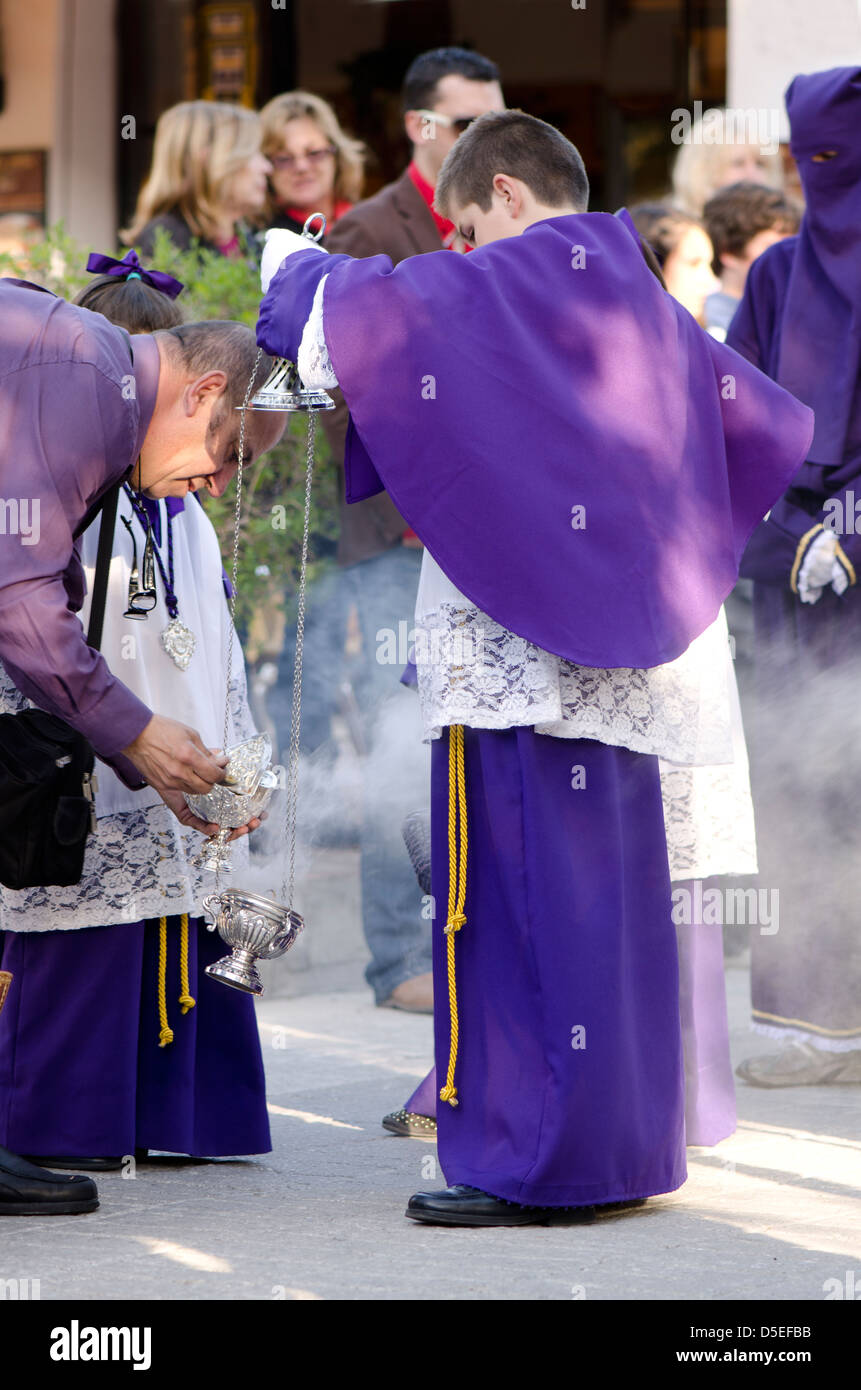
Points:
x=396, y=771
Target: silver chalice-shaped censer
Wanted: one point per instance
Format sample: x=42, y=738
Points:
x=257, y=927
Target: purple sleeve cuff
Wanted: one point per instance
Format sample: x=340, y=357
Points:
x=126, y=771
x=115, y=721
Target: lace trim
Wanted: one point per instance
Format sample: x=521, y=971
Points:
x=138, y=865
x=708, y=818
x=473, y=671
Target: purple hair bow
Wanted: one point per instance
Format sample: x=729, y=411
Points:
x=129, y=266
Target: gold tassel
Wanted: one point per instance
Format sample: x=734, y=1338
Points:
x=185, y=998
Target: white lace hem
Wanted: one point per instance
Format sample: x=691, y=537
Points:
x=473, y=671
x=137, y=865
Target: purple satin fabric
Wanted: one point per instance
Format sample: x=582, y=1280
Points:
x=568, y=926
x=800, y=321
x=81, y=1070
x=493, y=393
x=710, y=1107
x=819, y=349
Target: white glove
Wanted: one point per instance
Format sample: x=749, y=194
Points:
x=840, y=574
x=281, y=243
x=817, y=568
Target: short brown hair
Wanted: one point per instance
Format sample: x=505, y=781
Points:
x=220, y=345
x=734, y=215
x=513, y=143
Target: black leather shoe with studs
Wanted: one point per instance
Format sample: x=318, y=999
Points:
x=469, y=1206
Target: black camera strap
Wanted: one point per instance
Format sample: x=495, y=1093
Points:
x=103, y=564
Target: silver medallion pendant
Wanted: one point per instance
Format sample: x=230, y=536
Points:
x=178, y=641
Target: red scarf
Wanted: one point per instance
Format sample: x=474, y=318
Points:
x=301, y=216
x=448, y=232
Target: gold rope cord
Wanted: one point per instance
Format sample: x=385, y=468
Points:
x=186, y=1001
x=455, y=916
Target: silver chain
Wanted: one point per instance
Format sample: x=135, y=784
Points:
x=236, y=520
x=292, y=798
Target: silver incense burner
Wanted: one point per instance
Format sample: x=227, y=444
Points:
x=257, y=928
x=249, y=780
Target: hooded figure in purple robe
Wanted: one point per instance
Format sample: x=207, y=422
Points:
x=800, y=321
x=584, y=466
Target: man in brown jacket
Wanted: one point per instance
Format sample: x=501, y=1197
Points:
x=443, y=91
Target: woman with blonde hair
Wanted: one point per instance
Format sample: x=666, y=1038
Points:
x=316, y=166
x=713, y=156
x=208, y=177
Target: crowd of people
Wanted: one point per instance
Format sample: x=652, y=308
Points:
x=552, y=894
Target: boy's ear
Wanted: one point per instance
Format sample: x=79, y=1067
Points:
x=510, y=192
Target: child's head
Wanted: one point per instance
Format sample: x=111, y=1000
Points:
x=683, y=250
x=742, y=221
x=507, y=171
x=129, y=302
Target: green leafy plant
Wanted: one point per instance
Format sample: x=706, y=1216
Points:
x=219, y=287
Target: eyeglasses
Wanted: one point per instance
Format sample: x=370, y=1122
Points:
x=289, y=161
x=458, y=123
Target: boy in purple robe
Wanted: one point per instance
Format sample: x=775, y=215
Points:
x=800, y=321
x=584, y=466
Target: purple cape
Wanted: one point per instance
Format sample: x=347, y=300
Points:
x=581, y=459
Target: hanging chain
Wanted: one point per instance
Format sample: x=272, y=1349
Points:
x=292, y=797
x=236, y=520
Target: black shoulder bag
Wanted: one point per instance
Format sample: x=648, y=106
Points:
x=47, y=807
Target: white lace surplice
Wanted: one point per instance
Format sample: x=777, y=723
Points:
x=138, y=865
x=472, y=671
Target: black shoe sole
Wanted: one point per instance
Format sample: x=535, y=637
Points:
x=453, y=1218
x=48, y=1208
x=77, y=1165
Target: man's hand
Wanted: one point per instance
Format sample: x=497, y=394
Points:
x=172, y=759
x=183, y=812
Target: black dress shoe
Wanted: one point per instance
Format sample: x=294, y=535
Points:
x=78, y=1165
x=469, y=1206
x=26, y=1190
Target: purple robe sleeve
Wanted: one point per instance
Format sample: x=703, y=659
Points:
x=287, y=304
x=284, y=312
x=60, y=423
